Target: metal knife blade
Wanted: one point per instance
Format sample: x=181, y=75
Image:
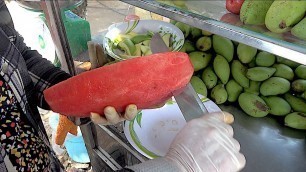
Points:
x=187, y=99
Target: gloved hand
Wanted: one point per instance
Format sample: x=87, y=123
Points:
x=207, y=144
x=111, y=116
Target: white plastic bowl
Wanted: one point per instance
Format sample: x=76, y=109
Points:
x=143, y=27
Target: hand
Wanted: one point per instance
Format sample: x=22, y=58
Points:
x=111, y=116
x=207, y=144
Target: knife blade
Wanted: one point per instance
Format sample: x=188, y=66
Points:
x=187, y=99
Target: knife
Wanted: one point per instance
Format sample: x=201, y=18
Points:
x=187, y=99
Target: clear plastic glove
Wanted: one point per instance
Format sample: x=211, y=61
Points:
x=206, y=144
x=111, y=116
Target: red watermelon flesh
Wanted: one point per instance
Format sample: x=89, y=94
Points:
x=145, y=81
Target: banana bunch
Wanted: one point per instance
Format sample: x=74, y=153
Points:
x=134, y=45
x=259, y=82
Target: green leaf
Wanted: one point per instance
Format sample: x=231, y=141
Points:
x=138, y=118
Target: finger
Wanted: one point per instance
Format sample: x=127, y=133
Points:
x=223, y=116
x=130, y=112
x=111, y=115
x=98, y=119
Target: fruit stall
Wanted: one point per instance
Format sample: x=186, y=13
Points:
x=249, y=59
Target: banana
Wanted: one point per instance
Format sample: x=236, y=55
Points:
x=278, y=106
x=246, y=53
x=297, y=104
x=300, y=71
x=224, y=47
x=265, y=59
x=254, y=12
x=239, y=73
x=283, y=14
x=260, y=73
x=222, y=68
x=283, y=71
x=209, y=77
x=253, y=105
x=299, y=85
x=296, y=120
x=219, y=94
x=299, y=29
x=233, y=90
x=198, y=85
x=203, y=43
x=199, y=59
x=127, y=46
x=140, y=38
x=254, y=87
x=274, y=86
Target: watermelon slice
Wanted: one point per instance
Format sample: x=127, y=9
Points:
x=145, y=81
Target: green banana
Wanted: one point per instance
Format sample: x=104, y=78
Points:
x=274, y=86
x=283, y=14
x=199, y=59
x=203, y=43
x=246, y=53
x=198, y=85
x=140, y=38
x=297, y=104
x=253, y=105
x=188, y=47
x=219, y=94
x=296, y=120
x=260, y=73
x=254, y=12
x=233, y=90
x=239, y=73
x=278, y=106
x=224, y=47
x=299, y=85
x=209, y=77
x=265, y=59
x=300, y=71
x=283, y=71
x=287, y=62
x=222, y=68
x=299, y=29
x=127, y=46
x=254, y=87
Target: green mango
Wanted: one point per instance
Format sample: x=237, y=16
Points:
x=233, y=90
x=209, y=77
x=283, y=14
x=278, y=106
x=254, y=12
x=198, y=85
x=184, y=28
x=199, y=59
x=299, y=29
x=287, y=62
x=296, y=120
x=246, y=53
x=265, y=59
x=260, y=73
x=253, y=105
x=224, y=47
x=188, y=47
x=239, y=73
x=195, y=33
x=206, y=33
x=219, y=94
x=283, y=71
x=297, y=104
x=203, y=43
x=299, y=85
x=274, y=86
x=300, y=71
x=254, y=87
x=221, y=68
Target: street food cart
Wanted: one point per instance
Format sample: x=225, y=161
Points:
x=266, y=143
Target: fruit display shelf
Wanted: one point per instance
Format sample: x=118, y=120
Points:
x=212, y=16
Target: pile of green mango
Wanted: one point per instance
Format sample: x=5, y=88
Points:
x=257, y=81
x=278, y=16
